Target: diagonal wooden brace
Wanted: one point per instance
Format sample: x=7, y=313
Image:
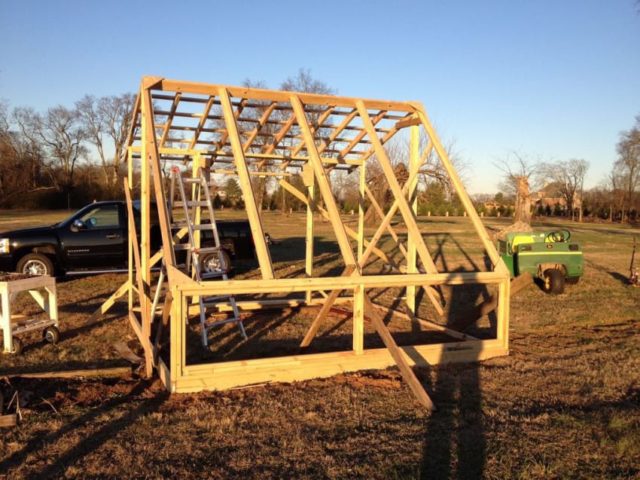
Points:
x=405, y=370
x=326, y=307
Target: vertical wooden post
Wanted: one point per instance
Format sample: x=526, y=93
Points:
x=52, y=301
x=6, y=319
x=129, y=232
x=502, y=311
x=262, y=251
x=147, y=135
x=359, y=292
x=358, y=319
x=176, y=326
x=195, y=196
x=362, y=185
x=309, y=181
x=412, y=195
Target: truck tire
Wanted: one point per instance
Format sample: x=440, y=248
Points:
x=35, y=264
x=572, y=280
x=210, y=262
x=553, y=281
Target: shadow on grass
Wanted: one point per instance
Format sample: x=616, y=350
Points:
x=87, y=444
x=455, y=439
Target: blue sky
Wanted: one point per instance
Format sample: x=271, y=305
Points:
x=550, y=79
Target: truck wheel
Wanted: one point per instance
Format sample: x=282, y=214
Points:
x=553, y=281
x=35, y=264
x=210, y=262
x=572, y=280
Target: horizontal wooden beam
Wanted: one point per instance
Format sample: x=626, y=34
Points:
x=290, y=285
x=218, y=376
x=279, y=95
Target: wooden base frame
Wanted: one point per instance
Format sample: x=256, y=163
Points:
x=247, y=132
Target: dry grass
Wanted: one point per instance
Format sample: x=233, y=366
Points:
x=564, y=404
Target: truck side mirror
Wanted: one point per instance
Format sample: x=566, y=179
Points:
x=77, y=225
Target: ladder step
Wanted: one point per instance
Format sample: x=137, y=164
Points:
x=202, y=226
x=206, y=250
x=210, y=275
x=217, y=323
x=199, y=181
x=214, y=301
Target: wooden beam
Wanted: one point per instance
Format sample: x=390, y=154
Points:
x=405, y=370
x=141, y=333
x=460, y=190
x=414, y=166
x=408, y=121
x=326, y=307
x=400, y=200
x=201, y=122
x=86, y=372
x=323, y=184
x=279, y=95
x=8, y=420
x=380, y=212
x=261, y=122
x=262, y=251
x=290, y=285
x=167, y=125
x=352, y=233
x=309, y=182
x=424, y=322
x=328, y=111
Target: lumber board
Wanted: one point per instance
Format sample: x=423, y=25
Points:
x=405, y=369
x=219, y=376
x=326, y=307
x=86, y=372
x=7, y=421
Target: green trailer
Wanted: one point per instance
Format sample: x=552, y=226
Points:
x=549, y=256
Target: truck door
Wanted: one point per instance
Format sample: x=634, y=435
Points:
x=95, y=238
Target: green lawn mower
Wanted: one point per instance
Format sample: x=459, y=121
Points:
x=547, y=256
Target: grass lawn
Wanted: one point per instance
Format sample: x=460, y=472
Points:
x=564, y=404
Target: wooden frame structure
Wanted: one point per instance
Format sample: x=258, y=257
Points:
x=248, y=132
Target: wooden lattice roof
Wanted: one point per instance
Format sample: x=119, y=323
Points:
x=188, y=118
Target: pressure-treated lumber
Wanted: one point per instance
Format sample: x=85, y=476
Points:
x=326, y=307
x=8, y=420
x=133, y=236
x=86, y=372
x=405, y=370
x=245, y=132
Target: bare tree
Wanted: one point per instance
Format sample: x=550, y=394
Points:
x=106, y=123
x=627, y=166
x=568, y=176
x=62, y=137
x=303, y=81
x=518, y=172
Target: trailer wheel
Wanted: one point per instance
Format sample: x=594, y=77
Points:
x=572, y=280
x=17, y=346
x=553, y=281
x=51, y=335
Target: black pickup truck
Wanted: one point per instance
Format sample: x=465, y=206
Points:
x=94, y=240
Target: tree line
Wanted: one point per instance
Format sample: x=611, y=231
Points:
x=557, y=188
x=63, y=157
x=66, y=157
